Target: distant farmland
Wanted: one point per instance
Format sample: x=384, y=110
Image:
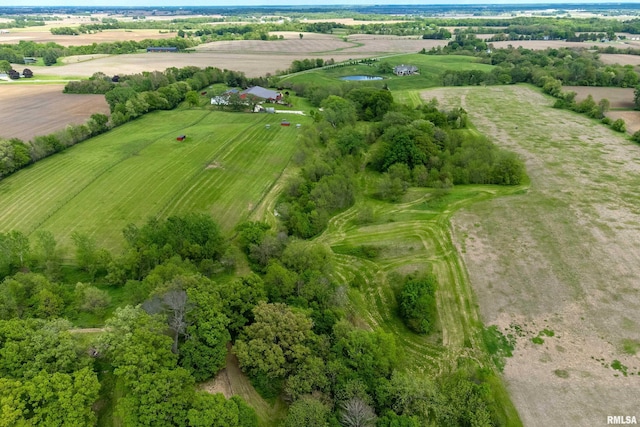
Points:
x=224, y=166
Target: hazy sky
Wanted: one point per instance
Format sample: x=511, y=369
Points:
x=160, y=3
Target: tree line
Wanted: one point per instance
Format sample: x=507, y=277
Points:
x=129, y=97
x=574, y=67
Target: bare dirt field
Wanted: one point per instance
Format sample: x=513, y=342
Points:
x=618, y=97
x=563, y=257
x=542, y=44
x=43, y=109
x=631, y=119
x=615, y=58
x=361, y=45
x=253, y=57
x=107, y=36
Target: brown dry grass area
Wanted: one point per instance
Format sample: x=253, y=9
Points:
x=107, y=36
x=563, y=256
x=42, y=109
x=618, y=97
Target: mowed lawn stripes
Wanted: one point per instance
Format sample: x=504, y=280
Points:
x=246, y=171
x=140, y=170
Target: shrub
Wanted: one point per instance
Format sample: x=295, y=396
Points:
x=418, y=304
x=619, y=126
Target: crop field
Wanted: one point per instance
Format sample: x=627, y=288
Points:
x=44, y=35
x=40, y=109
x=618, y=58
x=253, y=57
x=619, y=97
x=545, y=44
x=556, y=266
x=223, y=167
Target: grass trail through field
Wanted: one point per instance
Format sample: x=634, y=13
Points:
x=414, y=236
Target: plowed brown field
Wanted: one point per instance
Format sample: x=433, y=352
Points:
x=32, y=110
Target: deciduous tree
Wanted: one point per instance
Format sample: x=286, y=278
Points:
x=276, y=343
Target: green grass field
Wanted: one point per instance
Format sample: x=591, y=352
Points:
x=224, y=167
x=431, y=68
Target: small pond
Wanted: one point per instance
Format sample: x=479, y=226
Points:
x=361, y=78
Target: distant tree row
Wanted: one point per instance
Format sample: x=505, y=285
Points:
x=575, y=67
x=428, y=147
x=307, y=64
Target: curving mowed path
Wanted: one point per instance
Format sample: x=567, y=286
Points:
x=414, y=236
x=224, y=167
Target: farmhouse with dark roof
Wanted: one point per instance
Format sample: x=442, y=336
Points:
x=405, y=70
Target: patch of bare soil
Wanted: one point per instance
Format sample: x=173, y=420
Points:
x=562, y=257
x=378, y=45
x=31, y=109
x=220, y=384
x=618, y=58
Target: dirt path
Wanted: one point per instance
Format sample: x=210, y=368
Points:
x=231, y=381
x=86, y=330
x=562, y=257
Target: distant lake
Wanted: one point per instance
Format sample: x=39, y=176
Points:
x=361, y=78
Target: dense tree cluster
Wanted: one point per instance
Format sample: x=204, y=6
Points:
x=577, y=67
x=417, y=303
x=436, y=151
x=45, y=377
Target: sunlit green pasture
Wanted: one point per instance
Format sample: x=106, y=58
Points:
x=431, y=68
x=224, y=167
